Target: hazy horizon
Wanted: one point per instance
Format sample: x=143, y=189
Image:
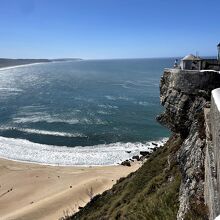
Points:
x=113, y=58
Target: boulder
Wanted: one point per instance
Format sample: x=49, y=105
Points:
x=126, y=163
x=155, y=144
x=136, y=158
x=144, y=153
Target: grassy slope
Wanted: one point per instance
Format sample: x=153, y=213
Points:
x=149, y=193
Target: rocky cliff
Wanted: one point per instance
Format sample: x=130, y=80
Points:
x=185, y=95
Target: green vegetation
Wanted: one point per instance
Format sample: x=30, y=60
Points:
x=149, y=193
x=198, y=210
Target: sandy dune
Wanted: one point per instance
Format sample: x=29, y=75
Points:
x=32, y=191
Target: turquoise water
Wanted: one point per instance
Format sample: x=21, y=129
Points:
x=75, y=110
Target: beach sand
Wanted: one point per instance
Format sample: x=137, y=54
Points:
x=33, y=191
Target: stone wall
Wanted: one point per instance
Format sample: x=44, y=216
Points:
x=212, y=161
x=210, y=184
x=191, y=81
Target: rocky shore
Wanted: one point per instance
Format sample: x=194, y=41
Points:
x=143, y=155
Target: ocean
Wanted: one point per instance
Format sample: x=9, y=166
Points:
x=85, y=112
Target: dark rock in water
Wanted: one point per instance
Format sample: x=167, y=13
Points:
x=136, y=158
x=154, y=149
x=131, y=160
x=155, y=144
x=128, y=151
x=144, y=153
x=126, y=163
x=80, y=207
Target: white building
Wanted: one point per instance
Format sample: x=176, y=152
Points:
x=191, y=62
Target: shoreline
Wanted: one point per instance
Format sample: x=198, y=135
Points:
x=44, y=192
x=98, y=155
x=60, y=165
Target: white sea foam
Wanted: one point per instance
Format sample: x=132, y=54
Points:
x=132, y=84
x=109, y=97
x=104, y=113
x=103, y=154
x=142, y=103
x=113, y=98
x=39, y=117
x=45, y=132
x=108, y=106
x=123, y=98
x=8, y=89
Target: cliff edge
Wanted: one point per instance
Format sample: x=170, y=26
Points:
x=179, y=180
x=186, y=96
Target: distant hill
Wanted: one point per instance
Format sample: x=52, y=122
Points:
x=66, y=59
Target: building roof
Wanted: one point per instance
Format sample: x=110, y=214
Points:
x=191, y=57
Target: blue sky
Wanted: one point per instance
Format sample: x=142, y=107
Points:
x=108, y=28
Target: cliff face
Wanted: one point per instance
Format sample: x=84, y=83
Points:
x=184, y=95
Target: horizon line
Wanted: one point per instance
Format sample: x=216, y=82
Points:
x=115, y=58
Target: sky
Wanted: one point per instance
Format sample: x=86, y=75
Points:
x=106, y=29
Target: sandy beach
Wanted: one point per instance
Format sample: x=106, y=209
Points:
x=33, y=191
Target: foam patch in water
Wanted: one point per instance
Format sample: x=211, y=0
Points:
x=44, y=132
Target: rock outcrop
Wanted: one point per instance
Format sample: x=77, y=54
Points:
x=185, y=94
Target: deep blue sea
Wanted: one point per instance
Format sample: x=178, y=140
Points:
x=87, y=112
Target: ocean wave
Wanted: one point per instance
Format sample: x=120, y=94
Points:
x=103, y=154
x=142, y=103
x=106, y=106
x=136, y=84
x=48, y=119
x=44, y=132
x=8, y=89
x=113, y=98
x=109, y=97
x=104, y=113
x=123, y=98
